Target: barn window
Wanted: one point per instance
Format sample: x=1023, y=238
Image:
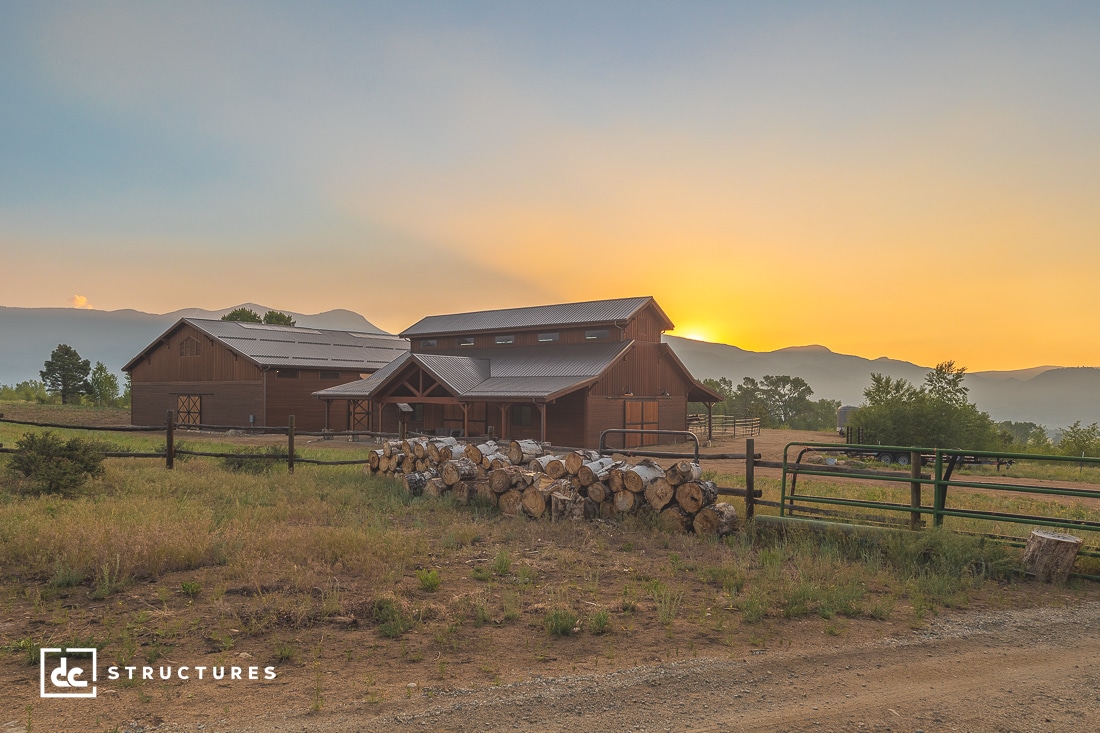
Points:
x=286, y=373
x=330, y=375
x=465, y=340
x=551, y=337
x=597, y=334
x=429, y=343
x=190, y=346
x=522, y=416
x=505, y=338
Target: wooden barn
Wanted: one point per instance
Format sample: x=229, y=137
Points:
x=238, y=374
x=556, y=373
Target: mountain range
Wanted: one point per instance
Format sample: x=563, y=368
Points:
x=1048, y=395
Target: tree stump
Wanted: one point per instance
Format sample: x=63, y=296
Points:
x=1050, y=555
x=718, y=519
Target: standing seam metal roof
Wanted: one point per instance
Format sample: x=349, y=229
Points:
x=567, y=314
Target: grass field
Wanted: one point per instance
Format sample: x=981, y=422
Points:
x=146, y=563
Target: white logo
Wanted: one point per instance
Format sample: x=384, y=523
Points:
x=72, y=673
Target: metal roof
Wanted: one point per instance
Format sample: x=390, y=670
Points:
x=523, y=371
x=549, y=316
x=291, y=347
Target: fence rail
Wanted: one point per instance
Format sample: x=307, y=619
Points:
x=949, y=495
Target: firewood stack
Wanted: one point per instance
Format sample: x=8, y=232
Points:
x=521, y=478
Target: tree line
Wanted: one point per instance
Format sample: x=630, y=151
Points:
x=937, y=413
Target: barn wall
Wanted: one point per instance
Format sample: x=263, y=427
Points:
x=207, y=361
x=294, y=396
x=223, y=403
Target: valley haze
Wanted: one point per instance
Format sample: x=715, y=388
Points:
x=1052, y=396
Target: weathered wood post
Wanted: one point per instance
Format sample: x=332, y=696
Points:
x=914, y=490
x=170, y=441
x=750, y=478
x=1050, y=555
x=290, y=444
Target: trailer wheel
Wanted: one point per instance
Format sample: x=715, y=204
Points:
x=902, y=459
x=884, y=458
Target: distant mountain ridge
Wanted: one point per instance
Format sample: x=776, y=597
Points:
x=28, y=335
x=1048, y=395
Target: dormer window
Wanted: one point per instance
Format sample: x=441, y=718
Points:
x=505, y=338
x=465, y=340
x=597, y=334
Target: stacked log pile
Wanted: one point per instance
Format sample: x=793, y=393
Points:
x=520, y=478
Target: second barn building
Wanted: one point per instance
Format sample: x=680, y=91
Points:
x=561, y=374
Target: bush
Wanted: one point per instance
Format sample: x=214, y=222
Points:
x=254, y=459
x=57, y=466
x=561, y=622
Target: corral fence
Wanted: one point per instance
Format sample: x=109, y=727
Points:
x=932, y=489
x=726, y=424
x=748, y=492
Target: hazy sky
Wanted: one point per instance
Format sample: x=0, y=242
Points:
x=914, y=180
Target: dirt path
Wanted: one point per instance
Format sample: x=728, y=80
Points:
x=1028, y=670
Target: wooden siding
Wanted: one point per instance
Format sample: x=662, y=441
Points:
x=223, y=403
x=286, y=397
x=213, y=362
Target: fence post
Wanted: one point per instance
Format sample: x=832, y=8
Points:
x=170, y=441
x=914, y=489
x=939, y=499
x=290, y=445
x=750, y=478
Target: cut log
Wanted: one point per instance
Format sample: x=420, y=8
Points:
x=435, y=487
x=1050, y=555
x=595, y=470
x=434, y=446
x=555, y=467
x=419, y=447
x=717, y=519
x=625, y=501
x=523, y=451
x=461, y=492
x=566, y=506
x=511, y=503
x=458, y=469
x=615, y=476
x=659, y=493
x=495, y=460
x=415, y=482
x=535, y=500
x=390, y=447
x=540, y=463
x=408, y=463
x=504, y=478
x=476, y=452
x=637, y=478
x=674, y=519
x=682, y=472
x=694, y=495
x=577, y=458
x=373, y=459
x=483, y=492
x=598, y=492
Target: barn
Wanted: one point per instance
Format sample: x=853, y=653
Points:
x=557, y=373
x=238, y=374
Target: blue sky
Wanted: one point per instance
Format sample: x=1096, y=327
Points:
x=763, y=169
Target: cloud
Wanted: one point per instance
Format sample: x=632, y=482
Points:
x=80, y=301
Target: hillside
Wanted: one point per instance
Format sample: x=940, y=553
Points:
x=28, y=335
x=1050, y=396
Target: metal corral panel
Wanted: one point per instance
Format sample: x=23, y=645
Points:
x=565, y=314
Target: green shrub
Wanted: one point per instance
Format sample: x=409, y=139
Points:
x=429, y=579
x=254, y=459
x=57, y=466
x=393, y=620
x=561, y=622
x=600, y=622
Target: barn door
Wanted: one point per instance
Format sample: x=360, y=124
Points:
x=641, y=415
x=189, y=409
